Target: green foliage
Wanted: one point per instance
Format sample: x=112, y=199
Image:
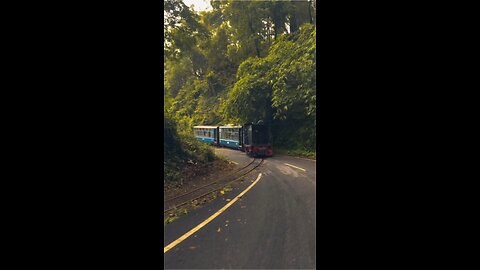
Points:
x=176, y=75
x=181, y=26
x=242, y=61
x=181, y=147
x=197, y=151
x=280, y=89
x=250, y=98
x=294, y=83
x=171, y=142
x=311, y=154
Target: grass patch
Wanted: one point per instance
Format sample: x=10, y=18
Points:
x=296, y=153
x=174, y=215
x=223, y=158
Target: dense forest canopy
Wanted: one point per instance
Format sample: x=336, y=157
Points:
x=242, y=61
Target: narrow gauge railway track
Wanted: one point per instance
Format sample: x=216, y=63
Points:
x=217, y=185
x=212, y=183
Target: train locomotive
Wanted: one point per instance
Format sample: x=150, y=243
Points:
x=253, y=139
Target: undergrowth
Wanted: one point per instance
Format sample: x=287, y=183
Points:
x=296, y=152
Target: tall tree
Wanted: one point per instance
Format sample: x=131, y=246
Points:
x=300, y=13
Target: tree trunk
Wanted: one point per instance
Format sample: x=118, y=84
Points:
x=293, y=18
x=310, y=11
x=255, y=39
x=293, y=23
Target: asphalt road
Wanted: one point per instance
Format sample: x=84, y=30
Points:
x=271, y=227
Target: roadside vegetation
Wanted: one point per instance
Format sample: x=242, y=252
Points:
x=181, y=149
x=296, y=152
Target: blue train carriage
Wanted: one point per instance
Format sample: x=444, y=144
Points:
x=231, y=136
x=206, y=134
x=257, y=140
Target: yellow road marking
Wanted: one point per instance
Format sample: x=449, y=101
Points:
x=295, y=167
x=199, y=226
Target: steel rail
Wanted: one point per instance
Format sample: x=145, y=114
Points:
x=214, y=182
x=203, y=195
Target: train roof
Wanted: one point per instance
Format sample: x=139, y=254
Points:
x=230, y=126
x=205, y=127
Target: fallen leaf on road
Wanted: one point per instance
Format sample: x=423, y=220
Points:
x=228, y=200
x=218, y=229
x=243, y=206
x=192, y=247
x=222, y=192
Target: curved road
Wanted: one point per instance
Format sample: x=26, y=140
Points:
x=271, y=227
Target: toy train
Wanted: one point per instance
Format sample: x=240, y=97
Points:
x=253, y=139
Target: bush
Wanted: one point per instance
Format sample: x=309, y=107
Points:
x=180, y=148
x=197, y=151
